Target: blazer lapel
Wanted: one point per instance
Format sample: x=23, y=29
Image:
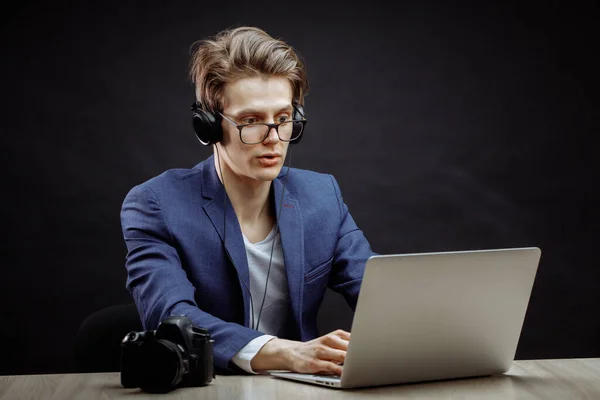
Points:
x=212, y=188
x=292, y=240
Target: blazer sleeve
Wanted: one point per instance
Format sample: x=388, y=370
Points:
x=158, y=283
x=350, y=256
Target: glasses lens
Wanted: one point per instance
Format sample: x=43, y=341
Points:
x=252, y=134
x=286, y=130
x=297, y=129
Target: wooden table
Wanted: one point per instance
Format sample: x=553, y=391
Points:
x=539, y=379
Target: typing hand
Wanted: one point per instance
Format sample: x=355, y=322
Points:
x=324, y=354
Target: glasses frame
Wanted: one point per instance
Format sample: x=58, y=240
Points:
x=270, y=126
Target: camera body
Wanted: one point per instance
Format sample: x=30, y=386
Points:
x=176, y=354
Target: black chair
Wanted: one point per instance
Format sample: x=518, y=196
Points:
x=98, y=340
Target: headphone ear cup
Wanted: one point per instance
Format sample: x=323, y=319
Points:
x=207, y=127
x=297, y=115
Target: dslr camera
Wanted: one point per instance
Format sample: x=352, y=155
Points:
x=176, y=354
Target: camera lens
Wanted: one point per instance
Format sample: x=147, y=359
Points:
x=162, y=364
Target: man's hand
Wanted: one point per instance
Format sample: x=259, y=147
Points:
x=321, y=355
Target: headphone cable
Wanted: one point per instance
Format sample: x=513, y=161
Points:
x=272, y=246
x=225, y=236
x=275, y=238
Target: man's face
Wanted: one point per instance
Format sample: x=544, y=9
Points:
x=250, y=100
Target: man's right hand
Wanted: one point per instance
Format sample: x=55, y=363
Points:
x=321, y=355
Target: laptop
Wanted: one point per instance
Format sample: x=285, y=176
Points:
x=435, y=316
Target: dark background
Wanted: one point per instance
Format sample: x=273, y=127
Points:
x=448, y=127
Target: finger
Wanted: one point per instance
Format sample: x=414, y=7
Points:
x=335, y=342
x=324, y=367
x=329, y=354
x=342, y=334
x=334, y=368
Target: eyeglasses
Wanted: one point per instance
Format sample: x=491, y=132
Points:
x=287, y=131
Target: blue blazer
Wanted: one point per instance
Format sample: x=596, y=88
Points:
x=176, y=264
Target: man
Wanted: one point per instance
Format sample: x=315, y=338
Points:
x=239, y=244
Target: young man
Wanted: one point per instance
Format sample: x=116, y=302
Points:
x=239, y=244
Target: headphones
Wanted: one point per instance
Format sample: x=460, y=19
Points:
x=207, y=125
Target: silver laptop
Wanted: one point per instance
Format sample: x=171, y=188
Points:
x=433, y=316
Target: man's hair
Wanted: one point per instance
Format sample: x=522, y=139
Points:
x=242, y=52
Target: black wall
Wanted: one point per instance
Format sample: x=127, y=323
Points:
x=448, y=128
